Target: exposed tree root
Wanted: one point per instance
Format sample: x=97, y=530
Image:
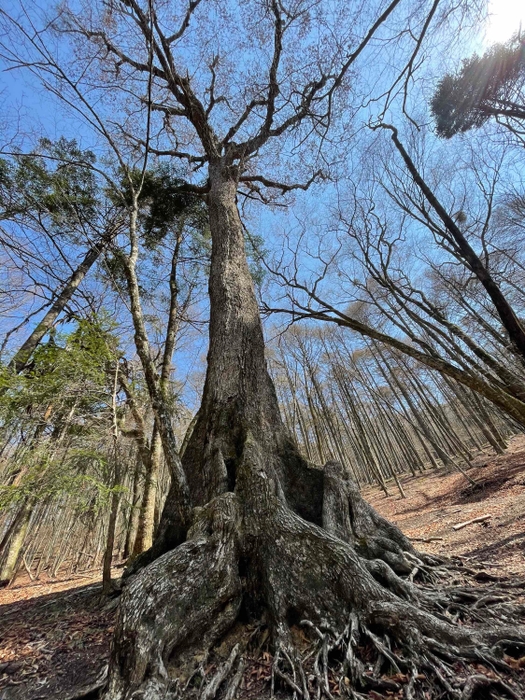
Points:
x=343, y=610
x=185, y=599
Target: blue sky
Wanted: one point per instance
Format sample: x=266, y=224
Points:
x=30, y=112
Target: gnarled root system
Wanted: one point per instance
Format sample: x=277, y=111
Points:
x=258, y=602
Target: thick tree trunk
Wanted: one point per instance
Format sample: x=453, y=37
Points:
x=238, y=392
x=272, y=541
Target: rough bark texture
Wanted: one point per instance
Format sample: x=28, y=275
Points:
x=238, y=391
x=146, y=525
x=279, y=545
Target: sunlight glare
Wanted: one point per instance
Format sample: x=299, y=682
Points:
x=505, y=19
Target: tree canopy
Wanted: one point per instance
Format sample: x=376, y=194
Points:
x=488, y=86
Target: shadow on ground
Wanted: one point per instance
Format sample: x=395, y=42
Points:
x=53, y=643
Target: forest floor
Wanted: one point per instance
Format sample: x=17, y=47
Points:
x=436, y=501
x=55, y=634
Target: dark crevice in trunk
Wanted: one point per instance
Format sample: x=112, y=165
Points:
x=230, y=470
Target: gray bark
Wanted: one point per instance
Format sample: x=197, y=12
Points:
x=23, y=354
x=269, y=534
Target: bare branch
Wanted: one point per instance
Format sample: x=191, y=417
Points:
x=185, y=22
x=284, y=187
x=313, y=93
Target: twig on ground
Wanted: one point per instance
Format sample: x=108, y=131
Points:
x=479, y=519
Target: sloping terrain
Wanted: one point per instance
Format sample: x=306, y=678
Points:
x=439, y=500
x=55, y=635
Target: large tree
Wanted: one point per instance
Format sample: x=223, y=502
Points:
x=252, y=535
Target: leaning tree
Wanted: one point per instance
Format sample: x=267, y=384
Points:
x=257, y=546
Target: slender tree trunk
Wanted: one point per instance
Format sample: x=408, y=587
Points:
x=146, y=525
x=508, y=317
x=491, y=431
x=21, y=357
x=107, y=584
x=134, y=515
x=15, y=541
x=504, y=397
x=156, y=388
x=298, y=411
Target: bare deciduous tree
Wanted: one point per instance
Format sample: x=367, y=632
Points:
x=249, y=526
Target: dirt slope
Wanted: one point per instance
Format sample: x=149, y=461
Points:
x=439, y=500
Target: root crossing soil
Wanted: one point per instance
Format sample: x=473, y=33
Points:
x=55, y=635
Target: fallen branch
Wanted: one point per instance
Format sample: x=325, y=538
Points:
x=26, y=566
x=426, y=539
x=479, y=519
